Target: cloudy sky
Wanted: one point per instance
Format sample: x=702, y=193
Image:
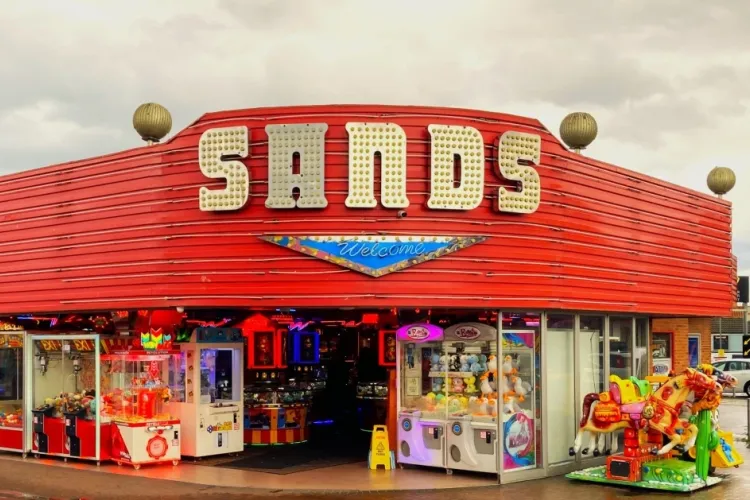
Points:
x=667, y=80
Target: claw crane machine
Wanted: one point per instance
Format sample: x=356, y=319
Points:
x=212, y=412
x=12, y=344
x=471, y=386
x=61, y=393
x=421, y=402
x=139, y=381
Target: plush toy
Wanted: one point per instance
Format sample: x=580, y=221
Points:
x=464, y=359
x=485, y=387
x=458, y=385
x=437, y=385
x=455, y=364
x=464, y=402
x=435, y=363
x=454, y=405
x=470, y=384
x=476, y=369
x=482, y=363
x=444, y=363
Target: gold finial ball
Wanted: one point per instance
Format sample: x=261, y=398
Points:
x=721, y=180
x=578, y=130
x=152, y=122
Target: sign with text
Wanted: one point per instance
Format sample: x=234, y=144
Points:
x=375, y=255
x=743, y=289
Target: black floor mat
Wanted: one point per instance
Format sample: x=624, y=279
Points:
x=288, y=459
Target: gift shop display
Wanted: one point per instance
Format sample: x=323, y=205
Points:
x=11, y=391
x=211, y=414
x=422, y=406
x=63, y=384
x=467, y=374
x=139, y=384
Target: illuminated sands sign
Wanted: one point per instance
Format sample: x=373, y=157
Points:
x=375, y=255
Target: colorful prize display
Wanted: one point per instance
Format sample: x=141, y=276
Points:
x=672, y=436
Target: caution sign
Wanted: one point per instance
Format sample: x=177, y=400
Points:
x=746, y=346
x=380, y=449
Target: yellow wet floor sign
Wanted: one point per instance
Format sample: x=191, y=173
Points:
x=380, y=449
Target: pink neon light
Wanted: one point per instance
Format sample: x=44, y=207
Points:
x=421, y=332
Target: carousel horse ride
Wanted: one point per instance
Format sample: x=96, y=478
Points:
x=672, y=438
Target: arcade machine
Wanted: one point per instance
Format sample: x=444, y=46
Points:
x=61, y=387
x=138, y=384
x=276, y=406
x=212, y=420
x=11, y=391
x=422, y=404
x=471, y=388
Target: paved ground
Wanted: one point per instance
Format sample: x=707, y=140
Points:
x=733, y=415
x=64, y=483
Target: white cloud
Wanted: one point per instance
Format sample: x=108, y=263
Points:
x=666, y=80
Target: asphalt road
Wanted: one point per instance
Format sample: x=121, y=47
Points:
x=733, y=415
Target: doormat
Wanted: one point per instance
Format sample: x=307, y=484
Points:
x=290, y=459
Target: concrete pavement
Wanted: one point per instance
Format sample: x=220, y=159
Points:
x=56, y=482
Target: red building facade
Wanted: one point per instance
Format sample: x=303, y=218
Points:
x=126, y=231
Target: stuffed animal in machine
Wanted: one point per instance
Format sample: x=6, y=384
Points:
x=470, y=385
x=437, y=385
x=464, y=359
x=482, y=363
x=455, y=363
x=457, y=385
x=444, y=361
x=434, y=363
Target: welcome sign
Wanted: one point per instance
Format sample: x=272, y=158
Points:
x=375, y=255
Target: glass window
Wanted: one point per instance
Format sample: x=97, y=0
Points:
x=661, y=352
x=621, y=347
x=424, y=368
x=561, y=411
x=591, y=347
x=720, y=366
x=694, y=350
x=521, y=367
x=720, y=342
x=642, y=369
x=734, y=343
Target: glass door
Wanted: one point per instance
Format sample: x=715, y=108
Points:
x=520, y=380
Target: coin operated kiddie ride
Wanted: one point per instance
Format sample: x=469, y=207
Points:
x=681, y=412
x=139, y=382
x=12, y=345
x=211, y=414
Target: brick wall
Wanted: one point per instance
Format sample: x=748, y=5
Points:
x=681, y=328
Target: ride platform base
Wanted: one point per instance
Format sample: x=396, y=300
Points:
x=671, y=474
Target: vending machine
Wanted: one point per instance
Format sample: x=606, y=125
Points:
x=212, y=411
x=472, y=384
x=421, y=397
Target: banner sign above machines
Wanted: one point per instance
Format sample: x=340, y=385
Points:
x=375, y=255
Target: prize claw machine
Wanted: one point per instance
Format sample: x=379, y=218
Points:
x=212, y=411
x=421, y=397
x=11, y=391
x=470, y=383
x=138, y=383
x=61, y=392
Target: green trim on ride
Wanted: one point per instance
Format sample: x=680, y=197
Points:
x=599, y=475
